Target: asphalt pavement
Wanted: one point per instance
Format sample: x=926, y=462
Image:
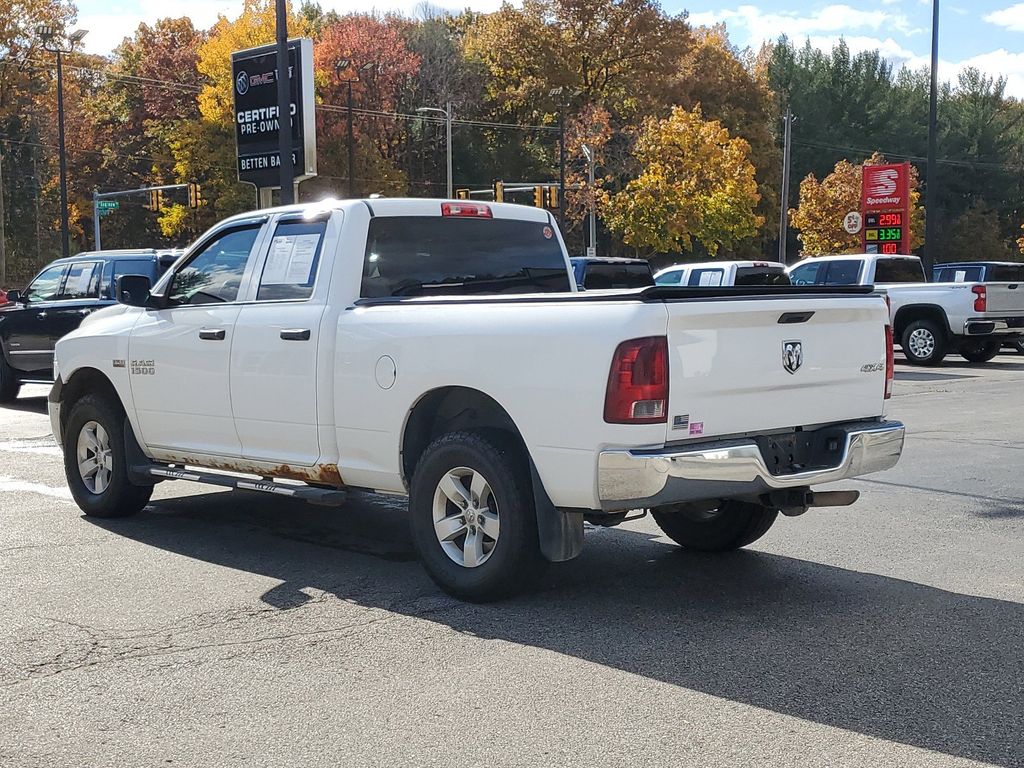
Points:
x=233, y=629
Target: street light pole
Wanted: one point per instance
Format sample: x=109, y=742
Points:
x=52, y=43
x=351, y=145
x=930, y=191
x=448, y=134
x=592, y=249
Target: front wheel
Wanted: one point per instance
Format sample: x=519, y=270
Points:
x=923, y=343
x=730, y=525
x=1019, y=345
x=981, y=353
x=9, y=384
x=96, y=463
x=472, y=517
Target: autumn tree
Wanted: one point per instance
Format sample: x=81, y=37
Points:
x=697, y=184
x=612, y=52
x=732, y=88
x=371, y=52
x=824, y=204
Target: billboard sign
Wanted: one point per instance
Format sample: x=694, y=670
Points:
x=254, y=75
x=885, y=208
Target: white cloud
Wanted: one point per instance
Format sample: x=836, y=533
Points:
x=118, y=20
x=832, y=18
x=1011, y=18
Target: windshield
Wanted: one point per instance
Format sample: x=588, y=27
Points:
x=1006, y=274
x=899, y=271
x=443, y=255
x=600, y=276
x=762, y=276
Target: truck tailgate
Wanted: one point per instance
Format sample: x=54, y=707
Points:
x=1004, y=297
x=773, y=363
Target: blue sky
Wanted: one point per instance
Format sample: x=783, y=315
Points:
x=988, y=34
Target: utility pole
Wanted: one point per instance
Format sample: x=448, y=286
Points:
x=3, y=234
x=561, y=170
x=448, y=143
x=55, y=43
x=930, y=191
x=787, y=146
x=284, y=111
x=448, y=135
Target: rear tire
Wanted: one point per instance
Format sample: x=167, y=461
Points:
x=1018, y=345
x=472, y=517
x=9, y=384
x=95, y=460
x=732, y=525
x=982, y=353
x=924, y=343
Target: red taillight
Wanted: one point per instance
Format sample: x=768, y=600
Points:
x=980, y=299
x=470, y=210
x=890, y=362
x=638, y=382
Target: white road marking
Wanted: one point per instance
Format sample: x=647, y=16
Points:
x=17, y=446
x=10, y=484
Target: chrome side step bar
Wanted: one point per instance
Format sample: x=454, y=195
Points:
x=149, y=473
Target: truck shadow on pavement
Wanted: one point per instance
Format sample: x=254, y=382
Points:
x=886, y=658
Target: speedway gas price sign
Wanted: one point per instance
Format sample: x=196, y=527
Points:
x=885, y=203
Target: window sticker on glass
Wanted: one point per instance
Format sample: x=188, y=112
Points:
x=711, y=277
x=961, y=276
x=291, y=260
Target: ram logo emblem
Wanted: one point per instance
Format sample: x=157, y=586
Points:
x=792, y=355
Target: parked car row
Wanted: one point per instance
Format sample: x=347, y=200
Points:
x=930, y=320
x=56, y=301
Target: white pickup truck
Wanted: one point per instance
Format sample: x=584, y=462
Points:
x=439, y=349
x=929, y=319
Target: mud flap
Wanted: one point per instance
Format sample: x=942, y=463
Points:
x=561, y=533
x=135, y=458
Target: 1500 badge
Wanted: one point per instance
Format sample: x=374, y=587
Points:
x=143, y=367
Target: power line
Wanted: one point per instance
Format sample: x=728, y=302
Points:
x=971, y=164
x=139, y=80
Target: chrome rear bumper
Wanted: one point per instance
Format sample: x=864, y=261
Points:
x=733, y=468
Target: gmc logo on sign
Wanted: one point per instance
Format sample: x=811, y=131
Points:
x=881, y=182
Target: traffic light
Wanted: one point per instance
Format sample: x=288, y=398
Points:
x=195, y=195
x=499, y=191
x=553, y=197
x=462, y=194
x=155, y=200
x=538, y=196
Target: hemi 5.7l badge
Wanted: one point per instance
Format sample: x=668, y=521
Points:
x=118, y=363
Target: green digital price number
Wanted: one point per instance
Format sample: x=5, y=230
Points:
x=884, y=234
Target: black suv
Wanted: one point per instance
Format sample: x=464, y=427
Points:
x=56, y=302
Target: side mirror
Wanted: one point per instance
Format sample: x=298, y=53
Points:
x=14, y=296
x=132, y=290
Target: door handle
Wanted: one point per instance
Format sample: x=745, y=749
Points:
x=212, y=334
x=41, y=316
x=295, y=334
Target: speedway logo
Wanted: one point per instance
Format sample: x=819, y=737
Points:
x=881, y=184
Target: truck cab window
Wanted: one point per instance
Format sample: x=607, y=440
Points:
x=291, y=266
x=82, y=282
x=214, y=274
x=46, y=286
x=808, y=274
x=843, y=273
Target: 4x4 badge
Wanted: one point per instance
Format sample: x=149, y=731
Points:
x=792, y=355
